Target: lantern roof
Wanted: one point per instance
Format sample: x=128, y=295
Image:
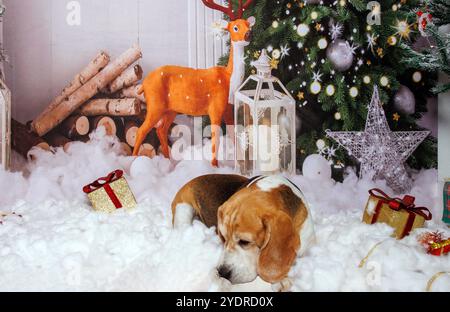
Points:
x=269, y=91
x=262, y=65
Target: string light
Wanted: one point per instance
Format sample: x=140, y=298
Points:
x=302, y=30
x=417, y=76
x=320, y=144
x=315, y=87
x=322, y=43
x=330, y=90
x=354, y=92
x=384, y=81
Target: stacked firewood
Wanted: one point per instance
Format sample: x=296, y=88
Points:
x=104, y=94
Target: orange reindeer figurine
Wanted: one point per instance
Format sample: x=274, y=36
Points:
x=172, y=90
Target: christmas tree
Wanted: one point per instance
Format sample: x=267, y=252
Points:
x=330, y=54
x=435, y=56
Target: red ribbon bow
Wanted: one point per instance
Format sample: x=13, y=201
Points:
x=104, y=183
x=99, y=183
x=407, y=203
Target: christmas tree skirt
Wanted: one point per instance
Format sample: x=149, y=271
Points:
x=57, y=242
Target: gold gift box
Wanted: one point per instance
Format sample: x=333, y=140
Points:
x=403, y=220
x=114, y=194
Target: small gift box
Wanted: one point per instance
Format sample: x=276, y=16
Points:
x=401, y=214
x=435, y=243
x=110, y=193
x=446, y=217
x=439, y=249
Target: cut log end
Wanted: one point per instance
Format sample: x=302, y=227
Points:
x=82, y=125
x=147, y=150
x=32, y=154
x=130, y=135
x=109, y=125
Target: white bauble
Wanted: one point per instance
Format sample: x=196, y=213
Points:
x=340, y=55
x=142, y=166
x=316, y=167
x=404, y=101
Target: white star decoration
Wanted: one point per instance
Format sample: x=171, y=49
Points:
x=284, y=51
x=380, y=151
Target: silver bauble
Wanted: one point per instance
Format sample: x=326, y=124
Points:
x=340, y=55
x=404, y=101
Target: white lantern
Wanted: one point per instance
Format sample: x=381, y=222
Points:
x=265, y=124
x=5, y=125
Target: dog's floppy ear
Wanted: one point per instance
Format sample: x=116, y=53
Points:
x=279, y=248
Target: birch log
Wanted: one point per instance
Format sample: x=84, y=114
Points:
x=127, y=79
x=131, y=129
x=132, y=92
x=75, y=126
x=112, y=107
x=104, y=121
x=43, y=125
x=93, y=68
x=23, y=140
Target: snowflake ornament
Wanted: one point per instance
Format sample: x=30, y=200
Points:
x=380, y=151
x=284, y=51
x=336, y=30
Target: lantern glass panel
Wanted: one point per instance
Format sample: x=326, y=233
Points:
x=5, y=125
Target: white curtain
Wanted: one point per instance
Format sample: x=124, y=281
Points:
x=2, y=72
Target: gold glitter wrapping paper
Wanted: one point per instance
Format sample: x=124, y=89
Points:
x=396, y=219
x=101, y=202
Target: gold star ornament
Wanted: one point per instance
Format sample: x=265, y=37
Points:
x=396, y=117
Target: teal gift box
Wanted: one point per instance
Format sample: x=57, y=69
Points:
x=446, y=217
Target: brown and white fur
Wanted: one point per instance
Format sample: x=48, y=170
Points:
x=264, y=223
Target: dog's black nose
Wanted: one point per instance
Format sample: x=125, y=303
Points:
x=224, y=272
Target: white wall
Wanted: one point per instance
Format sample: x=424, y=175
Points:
x=45, y=52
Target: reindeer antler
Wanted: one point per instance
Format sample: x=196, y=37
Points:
x=244, y=7
x=225, y=10
x=229, y=10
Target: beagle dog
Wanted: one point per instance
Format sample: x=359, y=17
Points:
x=263, y=222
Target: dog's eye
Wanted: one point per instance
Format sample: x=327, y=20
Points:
x=244, y=243
x=236, y=29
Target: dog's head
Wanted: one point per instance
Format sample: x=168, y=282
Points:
x=259, y=236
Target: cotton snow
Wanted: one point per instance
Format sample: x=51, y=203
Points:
x=61, y=244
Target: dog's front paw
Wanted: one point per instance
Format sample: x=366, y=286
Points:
x=283, y=286
x=184, y=215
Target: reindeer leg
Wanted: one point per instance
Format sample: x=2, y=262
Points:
x=150, y=121
x=215, y=131
x=163, y=132
x=228, y=116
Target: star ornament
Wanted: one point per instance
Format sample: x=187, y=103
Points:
x=381, y=152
